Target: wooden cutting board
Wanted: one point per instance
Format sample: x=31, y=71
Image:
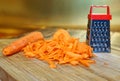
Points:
x=19, y=68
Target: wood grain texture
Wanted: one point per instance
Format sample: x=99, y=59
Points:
x=18, y=67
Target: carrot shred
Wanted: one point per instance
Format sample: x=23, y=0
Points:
x=60, y=49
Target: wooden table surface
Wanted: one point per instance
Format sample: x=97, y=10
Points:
x=19, y=68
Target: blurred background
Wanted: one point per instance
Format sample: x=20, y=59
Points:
x=19, y=16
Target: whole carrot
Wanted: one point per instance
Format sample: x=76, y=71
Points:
x=17, y=45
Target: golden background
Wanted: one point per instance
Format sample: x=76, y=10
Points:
x=33, y=14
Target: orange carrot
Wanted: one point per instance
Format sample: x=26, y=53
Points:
x=17, y=45
x=61, y=49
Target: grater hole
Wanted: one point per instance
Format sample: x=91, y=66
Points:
x=99, y=39
x=96, y=39
x=101, y=34
x=99, y=49
x=103, y=39
x=92, y=40
x=98, y=23
x=105, y=45
x=105, y=24
x=95, y=49
x=101, y=24
x=103, y=49
x=94, y=24
x=102, y=29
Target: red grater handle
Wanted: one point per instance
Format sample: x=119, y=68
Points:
x=104, y=6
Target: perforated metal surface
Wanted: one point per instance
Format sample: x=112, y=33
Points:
x=98, y=35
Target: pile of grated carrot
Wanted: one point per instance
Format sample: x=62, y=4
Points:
x=60, y=49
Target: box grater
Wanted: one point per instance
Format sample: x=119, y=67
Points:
x=98, y=30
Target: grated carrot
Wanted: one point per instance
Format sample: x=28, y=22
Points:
x=61, y=49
